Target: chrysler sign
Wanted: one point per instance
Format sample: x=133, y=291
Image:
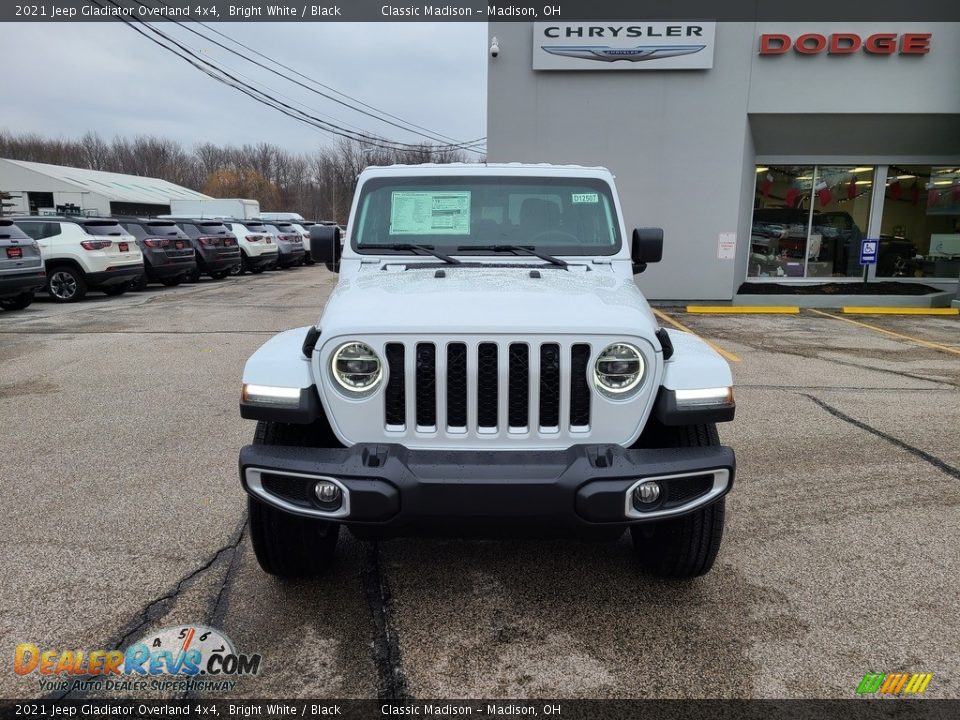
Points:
x=622, y=45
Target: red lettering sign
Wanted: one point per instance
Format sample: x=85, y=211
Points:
x=881, y=44
x=915, y=44
x=810, y=43
x=774, y=44
x=846, y=43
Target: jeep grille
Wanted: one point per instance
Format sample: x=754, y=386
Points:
x=493, y=385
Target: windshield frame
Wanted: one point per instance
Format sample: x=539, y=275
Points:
x=450, y=246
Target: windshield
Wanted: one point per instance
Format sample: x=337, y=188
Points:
x=561, y=216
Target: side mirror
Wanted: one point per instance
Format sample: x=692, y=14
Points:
x=325, y=246
x=647, y=247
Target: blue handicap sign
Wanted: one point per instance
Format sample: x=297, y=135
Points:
x=868, y=251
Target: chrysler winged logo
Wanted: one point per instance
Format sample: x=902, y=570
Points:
x=605, y=53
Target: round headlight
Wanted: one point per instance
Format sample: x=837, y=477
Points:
x=356, y=367
x=619, y=369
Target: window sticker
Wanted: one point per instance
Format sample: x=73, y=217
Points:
x=585, y=198
x=430, y=212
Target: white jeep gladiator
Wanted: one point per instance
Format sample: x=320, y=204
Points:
x=486, y=364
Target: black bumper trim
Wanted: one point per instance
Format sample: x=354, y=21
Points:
x=308, y=409
x=665, y=409
x=394, y=488
x=21, y=282
x=114, y=276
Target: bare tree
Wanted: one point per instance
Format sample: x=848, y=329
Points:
x=318, y=184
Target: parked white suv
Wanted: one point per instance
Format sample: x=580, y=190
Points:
x=84, y=254
x=258, y=251
x=487, y=363
x=305, y=232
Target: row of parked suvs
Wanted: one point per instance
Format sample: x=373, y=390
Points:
x=68, y=256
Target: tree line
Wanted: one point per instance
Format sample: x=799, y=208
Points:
x=317, y=184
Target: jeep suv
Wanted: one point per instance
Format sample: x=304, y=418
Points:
x=289, y=243
x=21, y=267
x=167, y=253
x=84, y=254
x=487, y=364
x=215, y=247
x=257, y=249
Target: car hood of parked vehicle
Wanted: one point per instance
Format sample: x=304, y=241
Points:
x=447, y=299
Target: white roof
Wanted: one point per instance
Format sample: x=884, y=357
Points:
x=116, y=187
x=480, y=169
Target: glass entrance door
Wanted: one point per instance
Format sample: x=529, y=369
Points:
x=808, y=221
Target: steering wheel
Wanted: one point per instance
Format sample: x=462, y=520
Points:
x=558, y=233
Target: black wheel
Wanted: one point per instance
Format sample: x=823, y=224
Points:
x=66, y=284
x=220, y=274
x=139, y=283
x=289, y=545
x=17, y=302
x=194, y=275
x=241, y=268
x=172, y=281
x=114, y=290
x=686, y=546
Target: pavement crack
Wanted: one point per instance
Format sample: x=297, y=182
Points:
x=391, y=680
x=155, y=608
x=158, y=606
x=922, y=454
x=218, y=611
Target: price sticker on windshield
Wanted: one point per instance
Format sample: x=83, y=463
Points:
x=588, y=198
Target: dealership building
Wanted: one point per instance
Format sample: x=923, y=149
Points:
x=38, y=188
x=775, y=156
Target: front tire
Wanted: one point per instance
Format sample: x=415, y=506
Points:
x=686, y=546
x=289, y=545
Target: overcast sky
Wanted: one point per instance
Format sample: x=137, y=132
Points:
x=69, y=78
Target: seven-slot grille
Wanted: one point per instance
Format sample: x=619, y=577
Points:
x=487, y=388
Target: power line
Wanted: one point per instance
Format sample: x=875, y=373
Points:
x=265, y=98
x=402, y=124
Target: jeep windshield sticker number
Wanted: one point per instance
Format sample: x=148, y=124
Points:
x=590, y=198
x=430, y=213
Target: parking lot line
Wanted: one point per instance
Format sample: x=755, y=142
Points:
x=680, y=326
x=743, y=310
x=856, y=310
x=918, y=341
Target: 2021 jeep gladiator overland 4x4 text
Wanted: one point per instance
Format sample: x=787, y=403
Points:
x=486, y=363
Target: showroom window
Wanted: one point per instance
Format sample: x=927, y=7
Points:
x=808, y=221
x=920, y=225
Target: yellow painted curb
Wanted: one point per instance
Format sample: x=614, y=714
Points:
x=743, y=310
x=854, y=310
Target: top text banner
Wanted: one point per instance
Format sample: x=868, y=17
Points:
x=467, y=11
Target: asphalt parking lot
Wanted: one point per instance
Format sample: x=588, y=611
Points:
x=123, y=514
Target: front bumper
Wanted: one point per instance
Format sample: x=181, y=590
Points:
x=391, y=490
x=21, y=282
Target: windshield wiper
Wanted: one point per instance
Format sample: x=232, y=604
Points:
x=517, y=249
x=428, y=249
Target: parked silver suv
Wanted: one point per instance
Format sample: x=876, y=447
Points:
x=21, y=267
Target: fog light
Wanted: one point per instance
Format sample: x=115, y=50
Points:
x=327, y=493
x=646, y=493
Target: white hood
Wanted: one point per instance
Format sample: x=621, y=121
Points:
x=488, y=300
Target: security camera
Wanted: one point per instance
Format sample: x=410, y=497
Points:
x=494, y=48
